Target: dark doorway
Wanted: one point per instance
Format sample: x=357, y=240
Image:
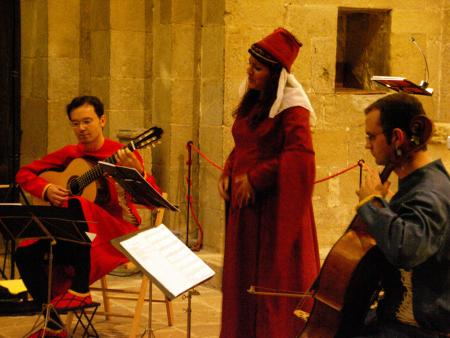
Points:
x=9, y=96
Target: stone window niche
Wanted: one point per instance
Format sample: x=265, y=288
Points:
x=362, y=47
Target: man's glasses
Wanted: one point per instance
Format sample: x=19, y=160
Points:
x=78, y=124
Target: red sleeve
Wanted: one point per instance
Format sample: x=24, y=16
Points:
x=28, y=176
x=297, y=147
x=229, y=164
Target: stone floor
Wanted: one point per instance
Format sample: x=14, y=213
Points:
x=205, y=312
x=205, y=315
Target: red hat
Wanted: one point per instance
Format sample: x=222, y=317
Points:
x=279, y=47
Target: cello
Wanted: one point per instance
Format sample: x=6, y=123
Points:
x=349, y=280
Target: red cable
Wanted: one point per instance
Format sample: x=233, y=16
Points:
x=199, y=244
x=338, y=173
x=206, y=158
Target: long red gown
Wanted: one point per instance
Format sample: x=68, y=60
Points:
x=271, y=244
x=107, y=221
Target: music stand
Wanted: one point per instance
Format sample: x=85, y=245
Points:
x=167, y=262
x=135, y=184
x=13, y=192
x=18, y=222
x=401, y=84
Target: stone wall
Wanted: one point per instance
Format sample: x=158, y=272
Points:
x=178, y=64
x=339, y=136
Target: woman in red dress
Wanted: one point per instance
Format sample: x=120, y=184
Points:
x=271, y=240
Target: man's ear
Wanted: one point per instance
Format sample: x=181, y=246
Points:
x=103, y=120
x=398, y=137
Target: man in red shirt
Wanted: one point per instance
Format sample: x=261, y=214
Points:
x=112, y=214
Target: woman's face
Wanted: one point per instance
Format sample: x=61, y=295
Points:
x=258, y=74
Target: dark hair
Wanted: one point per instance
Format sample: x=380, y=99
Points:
x=396, y=111
x=82, y=100
x=264, y=99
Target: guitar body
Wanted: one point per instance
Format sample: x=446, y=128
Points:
x=75, y=168
x=347, y=286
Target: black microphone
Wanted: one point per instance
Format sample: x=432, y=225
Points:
x=424, y=83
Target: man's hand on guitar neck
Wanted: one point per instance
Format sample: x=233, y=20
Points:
x=56, y=195
x=126, y=158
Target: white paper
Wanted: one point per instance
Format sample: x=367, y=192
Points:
x=167, y=259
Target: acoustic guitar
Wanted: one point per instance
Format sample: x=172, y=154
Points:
x=81, y=176
x=349, y=280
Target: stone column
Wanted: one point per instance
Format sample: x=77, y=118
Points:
x=175, y=96
x=50, y=60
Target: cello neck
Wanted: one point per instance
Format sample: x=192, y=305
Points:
x=387, y=170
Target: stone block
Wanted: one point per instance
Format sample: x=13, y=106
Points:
x=331, y=147
x=124, y=119
x=127, y=94
x=183, y=102
x=183, y=51
x=162, y=55
x=213, y=222
x=34, y=124
x=213, y=12
x=63, y=78
x=26, y=76
x=318, y=21
x=350, y=108
x=231, y=98
x=64, y=28
x=211, y=144
x=266, y=13
x=100, y=14
x=209, y=197
x=34, y=28
x=406, y=21
x=212, y=103
x=148, y=55
x=183, y=12
x=40, y=80
x=127, y=15
x=406, y=60
x=441, y=133
x=161, y=152
x=100, y=87
x=180, y=135
x=323, y=66
x=162, y=106
x=58, y=121
x=236, y=53
x=100, y=56
x=127, y=54
x=212, y=65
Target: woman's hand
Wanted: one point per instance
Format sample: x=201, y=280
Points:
x=56, y=195
x=126, y=158
x=224, y=185
x=244, y=191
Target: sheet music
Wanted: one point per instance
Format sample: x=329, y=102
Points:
x=167, y=259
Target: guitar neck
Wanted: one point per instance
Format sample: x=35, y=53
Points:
x=96, y=171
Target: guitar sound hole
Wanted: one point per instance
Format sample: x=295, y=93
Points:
x=74, y=186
